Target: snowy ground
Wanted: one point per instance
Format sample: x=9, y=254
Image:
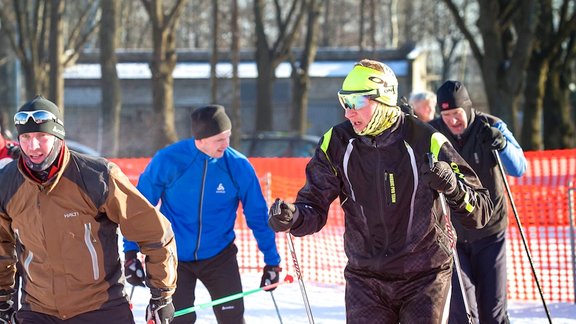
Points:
x=327, y=305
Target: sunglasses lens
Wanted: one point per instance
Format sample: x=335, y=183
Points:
x=353, y=101
x=39, y=117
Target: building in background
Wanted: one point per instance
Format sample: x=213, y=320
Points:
x=191, y=89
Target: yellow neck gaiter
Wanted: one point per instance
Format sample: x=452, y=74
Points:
x=383, y=117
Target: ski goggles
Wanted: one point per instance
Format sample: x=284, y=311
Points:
x=38, y=116
x=356, y=99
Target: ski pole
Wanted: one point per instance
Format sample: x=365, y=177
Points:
x=299, y=275
x=131, y=294
x=277, y=211
x=521, y=230
x=226, y=299
x=454, y=250
x=274, y=301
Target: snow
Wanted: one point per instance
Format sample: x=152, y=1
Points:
x=327, y=305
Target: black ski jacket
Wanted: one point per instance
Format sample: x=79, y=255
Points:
x=480, y=157
x=393, y=221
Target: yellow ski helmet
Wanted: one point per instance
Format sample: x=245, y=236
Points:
x=364, y=79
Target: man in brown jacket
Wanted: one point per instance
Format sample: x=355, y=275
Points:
x=59, y=217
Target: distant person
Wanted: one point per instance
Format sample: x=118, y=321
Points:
x=477, y=136
x=398, y=243
x=424, y=105
x=9, y=149
x=59, y=218
x=199, y=183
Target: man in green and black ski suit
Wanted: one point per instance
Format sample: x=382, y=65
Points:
x=397, y=239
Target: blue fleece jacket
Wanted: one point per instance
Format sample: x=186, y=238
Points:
x=200, y=197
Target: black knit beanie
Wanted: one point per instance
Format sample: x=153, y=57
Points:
x=54, y=127
x=209, y=121
x=452, y=95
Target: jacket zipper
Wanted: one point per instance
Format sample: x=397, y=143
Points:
x=200, y=210
x=89, y=244
x=383, y=202
x=29, y=257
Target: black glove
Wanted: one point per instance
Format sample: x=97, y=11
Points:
x=133, y=269
x=160, y=310
x=282, y=216
x=270, y=276
x=440, y=177
x=13, y=151
x=492, y=137
x=7, y=312
x=405, y=106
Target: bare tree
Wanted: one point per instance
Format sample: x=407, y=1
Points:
x=31, y=26
x=164, y=22
x=552, y=34
x=55, y=54
x=270, y=54
x=111, y=95
x=507, y=29
x=214, y=54
x=300, y=72
x=235, y=60
x=559, y=128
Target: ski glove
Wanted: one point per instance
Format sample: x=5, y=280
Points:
x=133, y=269
x=440, y=177
x=282, y=216
x=270, y=276
x=160, y=310
x=13, y=151
x=7, y=312
x=492, y=137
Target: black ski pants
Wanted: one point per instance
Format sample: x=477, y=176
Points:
x=221, y=277
x=388, y=299
x=483, y=265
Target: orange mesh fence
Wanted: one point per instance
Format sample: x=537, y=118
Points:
x=540, y=196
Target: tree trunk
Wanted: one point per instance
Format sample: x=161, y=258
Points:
x=162, y=66
x=264, y=84
x=300, y=73
x=8, y=88
x=56, y=51
x=269, y=57
x=214, y=56
x=537, y=72
x=235, y=60
x=558, y=119
x=111, y=96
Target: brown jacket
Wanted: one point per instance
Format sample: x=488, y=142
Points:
x=65, y=234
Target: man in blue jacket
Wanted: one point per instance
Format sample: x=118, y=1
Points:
x=477, y=137
x=200, y=182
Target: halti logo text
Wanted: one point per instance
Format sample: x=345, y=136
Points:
x=71, y=214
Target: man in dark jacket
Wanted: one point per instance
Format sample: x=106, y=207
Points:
x=477, y=137
x=397, y=239
x=59, y=218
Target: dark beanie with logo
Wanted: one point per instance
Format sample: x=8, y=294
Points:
x=54, y=127
x=452, y=95
x=209, y=121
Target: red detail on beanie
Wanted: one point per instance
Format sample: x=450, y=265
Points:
x=445, y=105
